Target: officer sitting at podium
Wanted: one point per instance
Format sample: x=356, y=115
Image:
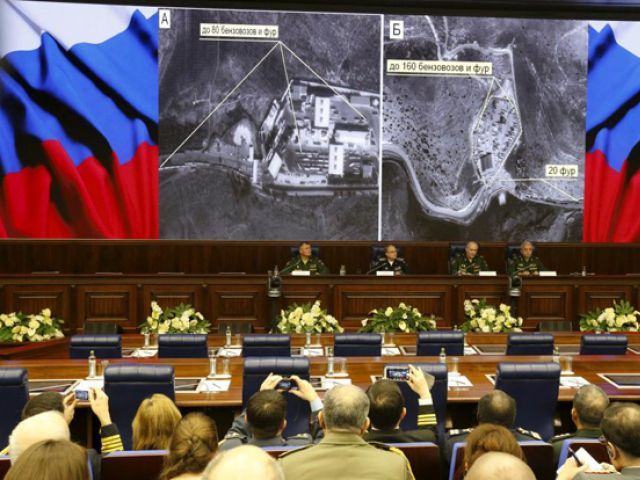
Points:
x=524, y=264
x=469, y=262
x=390, y=262
x=305, y=261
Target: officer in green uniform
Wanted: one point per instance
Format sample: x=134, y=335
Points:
x=495, y=407
x=524, y=264
x=305, y=261
x=469, y=262
x=589, y=404
x=343, y=454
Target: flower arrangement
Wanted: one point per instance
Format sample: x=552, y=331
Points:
x=180, y=319
x=20, y=327
x=307, y=318
x=402, y=318
x=481, y=317
x=622, y=317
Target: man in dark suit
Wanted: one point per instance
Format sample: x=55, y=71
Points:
x=390, y=262
x=621, y=431
x=387, y=409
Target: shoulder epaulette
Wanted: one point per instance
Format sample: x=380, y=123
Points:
x=380, y=445
x=530, y=433
x=290, y=452
x=459, y=431
x=300, y=435
x=562, y=436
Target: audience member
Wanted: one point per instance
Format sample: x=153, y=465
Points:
x=154, y=423
x=264, y=419
x=490, y=438
x=193, y=445
x=589, y=404
x=343, y=453
x=244, y=462
x=387, y=409
x=43, y=426
x=51, y=460
x=499, y=466
x=621, y=431
x=495, y=407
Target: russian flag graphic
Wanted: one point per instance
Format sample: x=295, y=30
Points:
x=78, y=120
x=612, y=180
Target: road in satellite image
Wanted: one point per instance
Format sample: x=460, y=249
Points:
x=269, y=125
x=475, y=156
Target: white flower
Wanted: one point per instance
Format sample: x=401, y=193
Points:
x=34, y=324
x=46, y=312
x=388, y=311
x=416, y=311
x=620, y=320
x=486, y=329
x=155, y=307
x=155, y=315
x=404, y=315
x=47, y=321
x=150, y=320
x=475, y=301
x=402, y=306
x=402, y=326
x=364, y=322
x=163, y=328
x=504, y=308
x=199, y=316
x=315, y=310
x=176, y=323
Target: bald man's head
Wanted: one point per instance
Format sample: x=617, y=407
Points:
x=345, y=409
x=43, y=426
x=497, y=407
x=246, y=461
x=499, y=466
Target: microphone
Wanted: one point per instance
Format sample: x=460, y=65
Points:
x=287, y=268
x=378, y=266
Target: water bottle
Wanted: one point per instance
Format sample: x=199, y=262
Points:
x=307, y=339
x=443, y=355
x=228, y=336
x=92, y=365
x=213, y=367
x=343, y=270
x=147, y=338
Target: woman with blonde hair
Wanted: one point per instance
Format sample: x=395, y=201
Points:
x=193, y=445
x=154, y=423
x=51, y=460
x=488, y=437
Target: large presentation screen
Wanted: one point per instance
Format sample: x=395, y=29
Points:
x=171, y=123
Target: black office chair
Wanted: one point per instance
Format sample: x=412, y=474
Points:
x=102, y=345
x=266, y=345
x=603, y=344
x=530, y=344
x=534, y=387
x=455, y=249
x=256, y=369
x=357, y=344
x=183, y=345
x=14, y=394
x=431, y=343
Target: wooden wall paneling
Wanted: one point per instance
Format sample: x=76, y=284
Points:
x=246, y=303
x=546, y=303
x=32, y=299
x=564, y=258
x=300, y=292
x=108, y=303
x=591, y=297
x=170, y=295
x=477, y=287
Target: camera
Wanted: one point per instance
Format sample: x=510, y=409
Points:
x=286, y=384
x=399, y=374
x=81, y=395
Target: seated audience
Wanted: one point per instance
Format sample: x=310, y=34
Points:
x=490, y=438
x=193, y=445
x=495, y=407
x=51, y=460
x=499, y=466
x=387, y=410
x=154, y=423
x=264, y=419
x=49, y=425
x=343, y=453
x=621, y=431
x=244, y=462
x=589, y=404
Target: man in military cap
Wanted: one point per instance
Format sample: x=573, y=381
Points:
x=469, y=262
x=494, y=407
x=524, y=264
x=264, y=419
x=589, y=404
x=344, y=419
x=305, y=260
x=387, y=410
x=390, y=262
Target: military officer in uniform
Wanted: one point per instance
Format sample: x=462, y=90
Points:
x=264, y=419
x=469, y=262
x=305, y=261
x=344, y=419
x=589, y=404
x=524, y=264
x=495, y=407
x=387, y=410
x=390, y=262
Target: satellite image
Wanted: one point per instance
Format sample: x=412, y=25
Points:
x=489, y=156
x=269, y=125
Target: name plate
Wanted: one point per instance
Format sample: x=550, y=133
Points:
x=301, y=273
x=487, y=273
x=385, y=273
x=548, y=273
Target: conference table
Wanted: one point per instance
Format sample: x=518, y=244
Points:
x=461, y=400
